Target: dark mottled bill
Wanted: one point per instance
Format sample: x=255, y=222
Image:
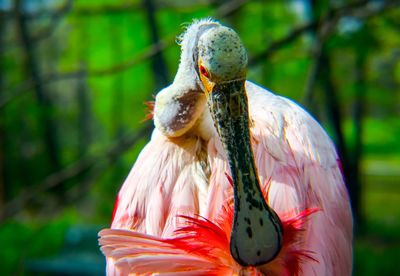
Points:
x=229, y=109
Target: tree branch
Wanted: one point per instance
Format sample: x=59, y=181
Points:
x=59, y=11
x=129, y=7
x=147, y=53
x=224, y=10
x=55, y=18
x=359, y=9
x=82, y=165
x=29, y=84
x=230, y=7
x=156, y=48
x=49, y=130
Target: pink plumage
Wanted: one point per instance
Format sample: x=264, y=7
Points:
x=180, y=180
x=176, y=203
x=201, y=247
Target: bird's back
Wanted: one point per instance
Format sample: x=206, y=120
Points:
x=299, y=169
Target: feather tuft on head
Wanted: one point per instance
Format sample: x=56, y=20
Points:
x=149, y=110
x=188, y=28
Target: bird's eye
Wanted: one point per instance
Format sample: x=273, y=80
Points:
x=203, y=71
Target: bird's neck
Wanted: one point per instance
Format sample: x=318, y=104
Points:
x=230, y=114
x=232, y=124
x=256, y=230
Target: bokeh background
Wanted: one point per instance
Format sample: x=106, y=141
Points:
x=74, y=76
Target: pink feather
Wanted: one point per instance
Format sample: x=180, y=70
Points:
x=202, y=248
x=297, y=166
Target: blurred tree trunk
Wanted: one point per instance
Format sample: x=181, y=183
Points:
x=84, y=114
x=332, y=106
x=84, y=101
x=118, y=103
x=49, y=127
x=321, y=74
x=358, y=113
x=233, y=17
x=118, y=83
x=349, y=164
x=267, y=68
x=158, y=64
x=84, y=123
x=2, y=126
x=318, y=38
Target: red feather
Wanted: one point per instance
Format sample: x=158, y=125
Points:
x=340, y=166
x=208, y=242
x=115, y=208
x=149, y=110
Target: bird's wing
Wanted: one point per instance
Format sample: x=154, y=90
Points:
x=199, y=248
x=299, y=168
x=135, y=252
x=165, y=180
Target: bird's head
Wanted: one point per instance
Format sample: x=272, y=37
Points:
x=222, y=58
x=213, y=61
x=220, y=61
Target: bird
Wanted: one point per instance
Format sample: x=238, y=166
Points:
x=235, y=179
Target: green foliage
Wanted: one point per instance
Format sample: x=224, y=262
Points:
x=21, y=241
x=377, y=249
x=93, y=111
x=374, y=258
x=380, y=137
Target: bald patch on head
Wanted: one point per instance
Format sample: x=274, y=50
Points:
x=222, y=52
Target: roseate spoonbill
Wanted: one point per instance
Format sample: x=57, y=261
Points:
x=214, y=130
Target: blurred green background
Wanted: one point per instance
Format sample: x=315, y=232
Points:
x=74, y=76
